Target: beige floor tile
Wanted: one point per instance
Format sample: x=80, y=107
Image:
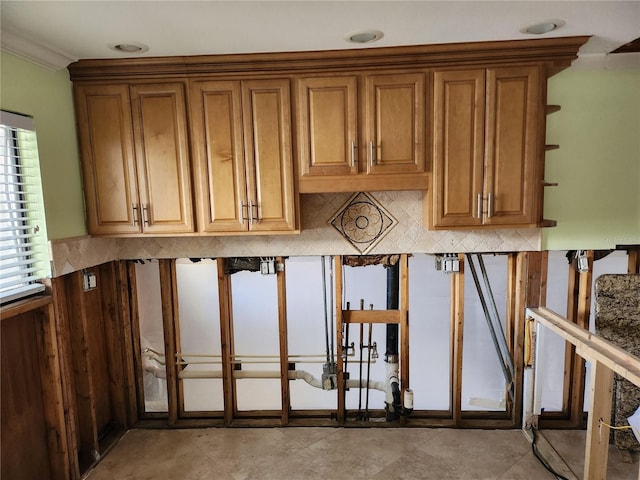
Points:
x=301, y=453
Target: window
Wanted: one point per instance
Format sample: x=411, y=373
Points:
x=24, y=256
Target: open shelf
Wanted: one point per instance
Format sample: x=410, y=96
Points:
x=552, y=109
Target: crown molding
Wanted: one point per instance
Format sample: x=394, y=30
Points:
x=35, y=52
x=556, y=53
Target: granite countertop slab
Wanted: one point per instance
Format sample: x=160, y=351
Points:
x=617, y=318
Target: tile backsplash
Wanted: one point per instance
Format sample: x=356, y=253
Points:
x=317, y=237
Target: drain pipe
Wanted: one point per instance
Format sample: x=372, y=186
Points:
x=394, y=408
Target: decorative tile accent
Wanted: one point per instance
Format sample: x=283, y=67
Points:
x=363, y=222
x=318, y=237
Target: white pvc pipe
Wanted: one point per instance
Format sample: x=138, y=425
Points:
x=383, y=386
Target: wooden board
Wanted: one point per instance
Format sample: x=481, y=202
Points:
x=22, y=404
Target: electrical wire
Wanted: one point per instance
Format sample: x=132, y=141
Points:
x=544, y=463
x=621, y=427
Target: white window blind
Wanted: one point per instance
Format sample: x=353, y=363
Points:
x=24, y=254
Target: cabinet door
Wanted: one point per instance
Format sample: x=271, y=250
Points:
x=267, y=123
x=395, y=123
x=512, y=180
x=220, y=181
x=162, y=157
x=327, y=129
x=458, y=148
x=106, y=142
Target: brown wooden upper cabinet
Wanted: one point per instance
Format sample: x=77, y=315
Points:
x=361, y=132
x=243, y=164
x=135, y=158
x=486, y=168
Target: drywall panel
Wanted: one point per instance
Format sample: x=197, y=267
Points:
x=151, y=336
x=256, y=332
x=483, y=382
x=199, y=318
x=429, y=333
x=309, y=330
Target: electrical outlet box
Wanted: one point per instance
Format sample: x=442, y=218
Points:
x=89, y=281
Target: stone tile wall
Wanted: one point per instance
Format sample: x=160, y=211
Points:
x=317, y=237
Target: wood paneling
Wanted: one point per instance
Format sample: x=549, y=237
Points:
x=24, y=449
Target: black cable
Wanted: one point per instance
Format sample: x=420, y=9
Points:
x=536, y=454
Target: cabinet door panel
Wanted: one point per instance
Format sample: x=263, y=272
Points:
x=159, y=120
x=218, y=156
x=395, y=123
x=267, y=121
x=511, y=150
x=106, y=142
x=327, y=128
x=458, y=127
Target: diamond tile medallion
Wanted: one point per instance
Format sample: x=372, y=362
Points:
x=363, y=222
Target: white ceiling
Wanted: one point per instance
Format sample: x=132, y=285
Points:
x=54, y=33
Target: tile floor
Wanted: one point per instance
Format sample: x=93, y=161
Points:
x=339, y=453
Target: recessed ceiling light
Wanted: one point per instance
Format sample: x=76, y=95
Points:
x=543, y=27
x=364, y=36
x=129, y=47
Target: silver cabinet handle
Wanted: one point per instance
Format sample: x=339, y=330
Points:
x=480, y=206
x=250, y=212
x=134, y=214
x=242, y=216
x=490, y=206
x=257, y=217
x=353, y=154
x=371, y=157
x=145, y=215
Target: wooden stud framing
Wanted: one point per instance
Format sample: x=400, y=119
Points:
x=374, y=316
x=633, y=261
x=597, y=449
x=404, y=326
x=570, y=357
x=82, y=367
x=520, y=263
x=341, y=413
x=115, y=340
x=226, y=342
x=66, y=376
x=123, y=303
x=606, y=358
x=135, y=338
x=457, y=334
x=583, y=310
x=512, y=308
x=284, y=350
x=171, y=335
x=52, y=395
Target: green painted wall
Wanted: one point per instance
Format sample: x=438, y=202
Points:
x=47, y=96
x=597, y=202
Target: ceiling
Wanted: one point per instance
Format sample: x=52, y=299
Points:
x=55, y=33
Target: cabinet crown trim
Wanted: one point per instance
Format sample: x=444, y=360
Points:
x=558, y=53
